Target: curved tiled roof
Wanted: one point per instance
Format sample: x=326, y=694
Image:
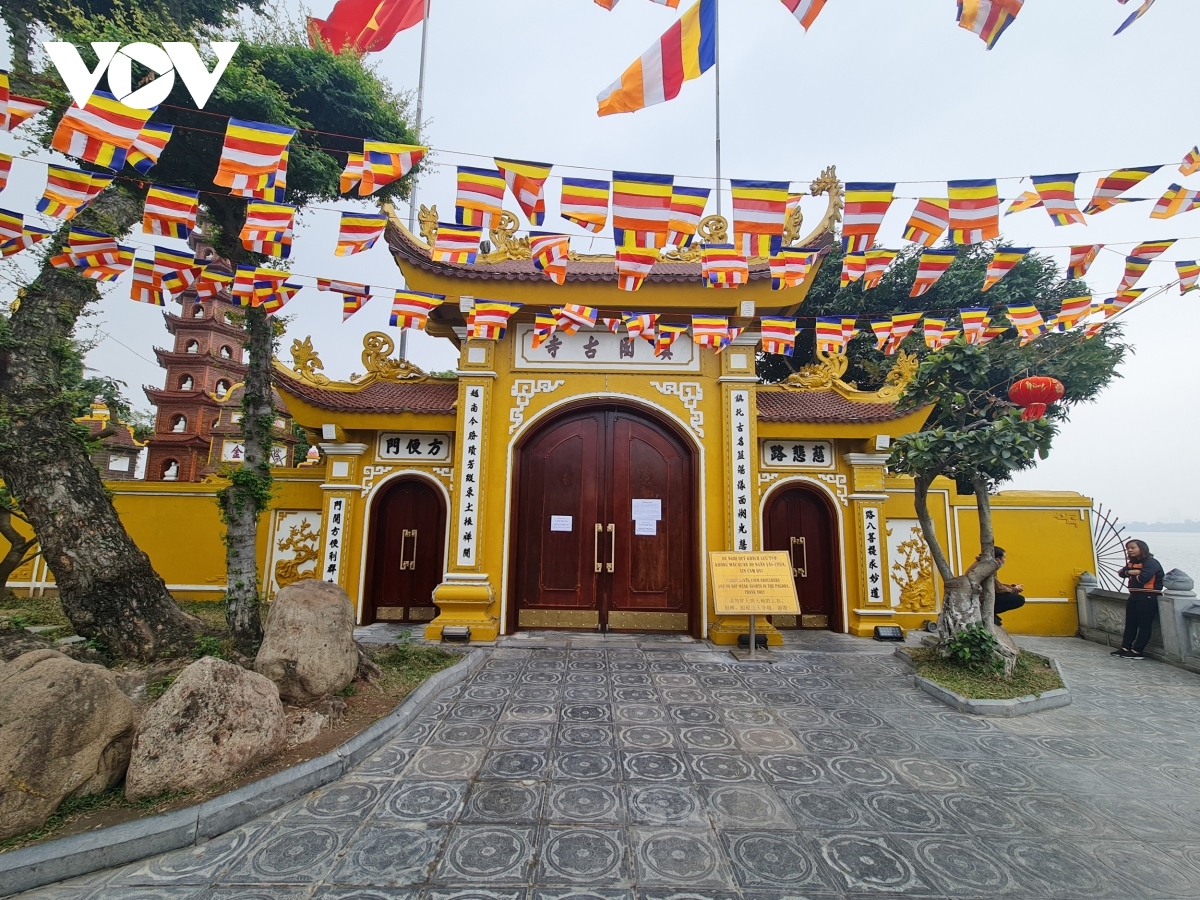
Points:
x=820, y=406
x=380, y=396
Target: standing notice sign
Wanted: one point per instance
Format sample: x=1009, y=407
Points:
x=753, y=584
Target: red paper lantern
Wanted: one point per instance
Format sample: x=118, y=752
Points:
x=1034, y=393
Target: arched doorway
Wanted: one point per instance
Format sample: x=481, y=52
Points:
x=406, y=552
x=604, y=525
x=799, y=520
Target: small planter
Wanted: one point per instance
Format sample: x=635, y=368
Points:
x=1018, y=706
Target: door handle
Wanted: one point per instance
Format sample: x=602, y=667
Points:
x=403, y=538
x=596, y=547
x=408, y=563
x=612, y=556
x=412, y=561
x=800, y=571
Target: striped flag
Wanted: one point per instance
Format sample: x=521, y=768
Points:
x=101, y=132
x=902, y=326
x=21, y=109
x=175, y=270
x=1152, y=249
x=722, y=266
x=854, y=267
x=527, y=181
x=992, y=332
x=1135, y=268
x=933, y=329
x=382, y=163
x=1058, y=196
x=778, y=335
x=456, y=244
x=613, y=325
x=86, y=248
x=148, y=146
x=549, y=252
x=877, y=264
x=988, y=18
x=584, y=202
x=11, y=225
x=881, y=330
x=1191, y=162
x=633, y=265
x=5, y=168
x=250, y=148
x=70, y=190
x=170, y=211
x=687, y=50
x=710, y=331
x=759, y=216
x=263, y=187
x=641, y=209
x=268, y=228
x=358, y=232
x=280, y=294
x=572, y=316
x=687, y=209
x=928, y=222
x=640, y=324
x=1135, y=15
x=1082, y=258
x=1188, y=272
x=1176, y=200
x=805, y=11
x=866, y=205
x=241, y=292
x=544, y=325
x=1003, y=262
x=4, y=99
x=411, y=309
x=480, y=196
x=1027, y=320
x=352, y=174
x=974, y=323
x=932, y=266
x=1027, y=200
x=974, y=211
x=1112, y=186
x=665, y=336
x=834, y=332
x=354, y=296
x=488, y=319
x=1072, y=311
x=790, y=267
x=212, y=282
x=143, y=289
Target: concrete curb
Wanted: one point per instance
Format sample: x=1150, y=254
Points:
x=1000, y=709
x=70, y=857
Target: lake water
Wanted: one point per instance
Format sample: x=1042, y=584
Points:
x=1174, y=549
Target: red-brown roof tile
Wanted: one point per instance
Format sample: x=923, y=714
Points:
x=820, y=406
x=430, y=397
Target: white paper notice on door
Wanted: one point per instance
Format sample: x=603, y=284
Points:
x=560, y=523
x=645, y=526
x=647, y=509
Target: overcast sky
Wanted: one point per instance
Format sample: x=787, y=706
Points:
x=882, y=89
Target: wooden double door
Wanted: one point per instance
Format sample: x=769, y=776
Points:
x=800, y=521
x=406, y=552
x=604, y=530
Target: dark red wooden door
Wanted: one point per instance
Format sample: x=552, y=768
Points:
x=581, y=560
x=799, y=521
x=407, y=552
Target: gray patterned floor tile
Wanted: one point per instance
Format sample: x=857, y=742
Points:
x=432, y=802
x=390, y=855
x=678, y=858
x=488, y=855
x=769, y=859
x=583, y=855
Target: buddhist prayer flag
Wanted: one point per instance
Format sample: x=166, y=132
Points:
x=170, y=211
x=488, y=319
x=665, y=336
x=613, y=325
x=251, y=148
x=549, y=252
x=790, y=267
x=1028, y=200
x=1003, y=262
x=543, y=326
x=212, y=282
x=456, y=244
x=30, y=235
x=86, y=248
x=4, y=99
x=759, y=216
x=1191, y=162
x=175, y=270
x=932, y=266
x=584, y=202
x=21, y=109
x=933, y=329
x=358, y=232
x=1027, y=320
x=974, y=323
x=722, y=266
x=902, y=326
x=710, y=331
x=268, y=228
x=279, y=295
x=1176, y=200
x=354, y=296
x=866, y=205
x=148, y=146
x=640, y=324
x=881, y=330
x=1072, y=311
x=1135, y=15
x=527, y=181
x=1058, y=196
x=928, y=222
x=480, y=195
x=988, y=18
x=974, y=211
x=1082, y=258
x=1112, y=186
x=641, y=209
x=687, y=209
x=687, y=50
x=778, y=335
x=70, y=190
x=101, y=132
x=382, y=163
x=992, y=332
x=411, y=309
x=5, y=168
x=1135, y=268
x=1152, y=249
x=854, y=267
x=352, y=174
x=832, y=333
x=877, y=264
x=263, y=187
x=242, y=290
x=572, y=316
x=805, y=11
x=633, y=265
x=143, y=289
x=1189, y=272
x=11, y=224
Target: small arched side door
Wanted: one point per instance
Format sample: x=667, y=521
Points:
x=799, y=520
x=406, y=552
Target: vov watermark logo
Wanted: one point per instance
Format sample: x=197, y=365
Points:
x=166, y=60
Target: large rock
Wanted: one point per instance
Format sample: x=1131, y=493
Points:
x=215, y=720
x=308, y=648
x=65, y=731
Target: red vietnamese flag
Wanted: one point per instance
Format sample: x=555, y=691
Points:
x=365, y=26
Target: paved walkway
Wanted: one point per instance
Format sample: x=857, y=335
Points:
x=612, y=769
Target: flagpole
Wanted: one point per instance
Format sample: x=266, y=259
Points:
x=412, y=197
x=717, y=66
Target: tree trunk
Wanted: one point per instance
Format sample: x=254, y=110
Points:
x=106, y=584
x=18, y=546
x=246, y=498
x=960, y=604
x=19, y=38
x=984, y=570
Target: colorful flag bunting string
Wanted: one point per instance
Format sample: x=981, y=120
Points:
x=549, y=253
x=865, y=206
x=641, y=209
x=759, y=216
x=1058, y=197
x=480, y=197
x=584, y=202
x=527, y=182
x=358, y=232
x=687, y=209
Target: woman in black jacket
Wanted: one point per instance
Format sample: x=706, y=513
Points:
x=1145, y=576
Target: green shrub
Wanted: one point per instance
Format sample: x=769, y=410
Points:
x=973, y=648
x=208, y=646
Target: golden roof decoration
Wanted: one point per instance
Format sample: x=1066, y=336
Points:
x=305, y=362
x=826, y=375
x=376, y=357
